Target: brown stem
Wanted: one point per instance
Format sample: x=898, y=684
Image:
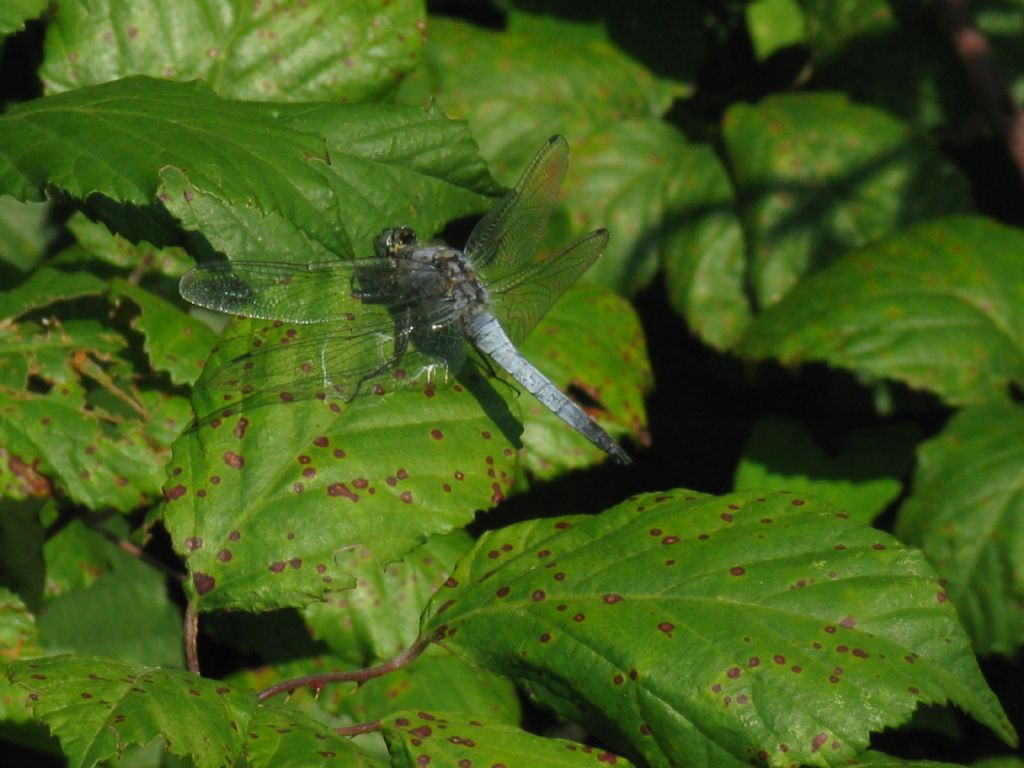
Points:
x=191, y=633
x=355, y=730
x=353, y=676
x=991, y=92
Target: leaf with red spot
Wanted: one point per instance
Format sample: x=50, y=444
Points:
x=97, y=706
x=280, y=737
x=936, y=306
x=592, y=345
x=418, y=738
x=331, y=50
x=265, y=504
x=749, y=616
x=19, y=639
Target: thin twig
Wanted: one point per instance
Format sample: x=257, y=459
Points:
x=191, y=635
x=316, y=682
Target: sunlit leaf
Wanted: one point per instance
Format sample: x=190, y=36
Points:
x=757, y=625
x=418, y=738
x=14, y=14
x=331, y=50
x=265, y=503
x=97, y=707
x=936, y=307
x=820, y=176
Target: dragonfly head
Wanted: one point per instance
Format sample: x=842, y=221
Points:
x=389, y=242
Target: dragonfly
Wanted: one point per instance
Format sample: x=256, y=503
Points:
x=406, y=313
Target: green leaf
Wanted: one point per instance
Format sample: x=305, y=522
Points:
x=326, y=170
x=862, y=477
x=24, y=232
x=774, y=25
x=47, y=286
x=387, y=165
x=76, y=557
x=175, y=342
x=965, y=512
x=97, y=707
x=380, y=616
x=750, y=617
x=126, y=615
x=820, y=176
x=625, y=159
x=279, y=737
x=889, y=55
x=704, y=254
x=19, y=639
x=936, y=307
x=100, y=242
x=436, y=680
x=53, y=440
x=337, y=50
x=14, y=14
x=417, y=738
x=590, y=344
x=265, y=502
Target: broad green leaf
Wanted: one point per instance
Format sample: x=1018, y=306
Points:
x=388, y=166
x=436, y=680
x=623, y=167
x=14, y=14
x=24, y=232
x=379, y=617
x=704, y=255
x=774, y=25
x=820, y=176
x=590, y=344
x=862, y=477
x=331, y=50
x=966, y=513
x=19, y=639
x=175, y=342
x=417, y=738
x=890, y=55
x=127, y=614
x=936, y=307
x=97, y=706
x=764, y=625
x=264, y=504
x=46, y=286
x=280, y=737
x=324, y=169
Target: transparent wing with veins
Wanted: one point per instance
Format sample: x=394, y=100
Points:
x=348, y=334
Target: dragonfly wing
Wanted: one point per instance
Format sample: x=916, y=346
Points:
x=281, y=363
x=522, y=299
x=508, y=236
x=295, y=293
